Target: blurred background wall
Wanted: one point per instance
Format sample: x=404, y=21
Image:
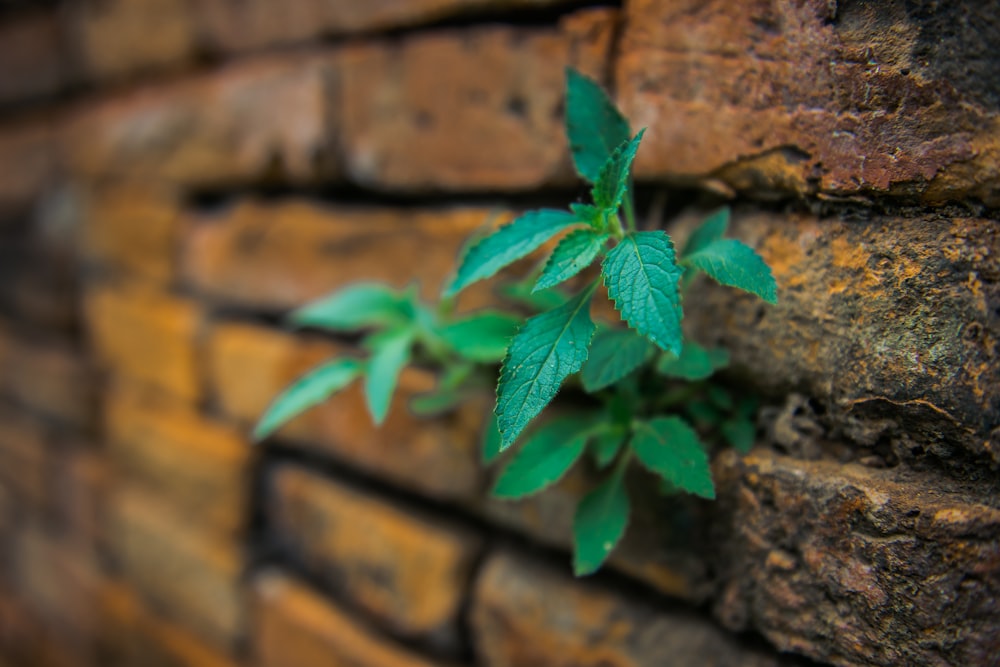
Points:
x=177, y=174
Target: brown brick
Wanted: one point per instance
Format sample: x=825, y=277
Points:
x=77, y=491
x=24, y=461
x=38, y=286
x=409, y=571
x=197, y=467
x=33, y=56
x=192, y=579
x=248, y=122
x=422, y=116
x=294, y=626
x=28, y=161
x=888, y=322
x=251, y=365
x=48, y=378
x=815, y=97
x=147, y=336
x=529, y=615
x=853, y=565
x=133, y=229
x=120, y=37
x=273, y=256
x=134, y=636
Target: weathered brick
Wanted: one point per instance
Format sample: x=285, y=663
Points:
x=251, y=365
x=243, y=123
x=29, y=162
x=33, y=56
x=858, y=566
x=815, y=97
x=134, y=636
x=38, y=286
x=24, y=461
x=133, y=229
x=890, y=323
x=197, y=467
x=49, y=378
x=409, y=571
x=527, y=614
x=192, y=579
x=272, y=256
x=423, y=115
x=119, y=37
x=146, y=335
x=76, y=489
x=294, y=626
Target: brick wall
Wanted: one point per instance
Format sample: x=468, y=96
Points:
x=175, y=175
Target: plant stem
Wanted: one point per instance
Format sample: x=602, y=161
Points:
x=629, y=210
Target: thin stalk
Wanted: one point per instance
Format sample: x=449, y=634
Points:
x=629, y=210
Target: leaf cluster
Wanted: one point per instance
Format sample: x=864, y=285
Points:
x=655, y=403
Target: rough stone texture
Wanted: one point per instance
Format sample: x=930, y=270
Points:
x=200, y=468
x=426, y=115
x=294, y=626
x=192, y=579
x=121, y=37
x=409, y=571
x=133, y=229
x=48, y=378
x=236, y=26
x=146, y=335
x=250, y=365
x=859, y=566
x=33, y=57
x=526, y=614
x=892, y=324
x=834, y=98
x=248, y=122
x=274, y=256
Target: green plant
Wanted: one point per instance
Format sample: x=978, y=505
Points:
x=654, y=399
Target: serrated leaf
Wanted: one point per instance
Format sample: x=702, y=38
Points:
x=711, y=230
x=599, y=523
x=590, y=214
x=508, y=244
x=641, y=274
x=733, y=263
x=490, y=445
x=390, y=353
x=311, y=389
x=355, y=307
x=606, y=445
x=739, y=433
x=543, y=459
x=547, y=349
x=670, y=447
x=573, y=254
x=594, y=126
x=612, y=180
x=694, y=363
x=613, y=355
x=483, y=337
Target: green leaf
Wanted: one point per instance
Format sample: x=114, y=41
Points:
x=612, y=180
x=606, y=445
x=711, y=230
x=390, y=353
x=733, y=263
x=694, y=363
x=641, y=275
x=355, y=307
x=491, y=440
x=521, y=292
x=703, y=412
x=573, y=254
x=599, y=523
x=437, y=402
x=547, y=349
x=719, y=356
x=669, y=447
x=594, y=127
x=543, y=459
x=719, y=397
x=484, y=337
x=614, y=354
x=739, y=433
x=590, y=214
x=311, y=389
x=508, y=244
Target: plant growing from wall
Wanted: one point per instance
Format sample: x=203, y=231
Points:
x=654, y=402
